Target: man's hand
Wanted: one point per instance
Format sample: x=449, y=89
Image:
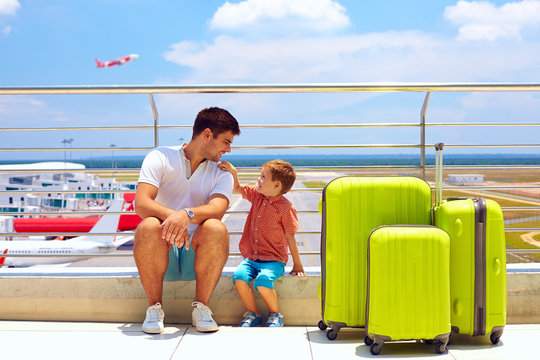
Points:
x=174, y=229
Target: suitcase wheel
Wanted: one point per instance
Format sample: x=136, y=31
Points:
x=331, y=334
x=322, y=325
x=494, y=337
x=375, y=348
x=367, y=340
x=440, y=347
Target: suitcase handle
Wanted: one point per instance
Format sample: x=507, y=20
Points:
x=459, y=198
x=438, y=173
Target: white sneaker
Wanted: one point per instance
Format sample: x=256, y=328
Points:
x=202, y=318
x=153, y=324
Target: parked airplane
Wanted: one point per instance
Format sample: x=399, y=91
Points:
x=120, y=61
x=79, y=245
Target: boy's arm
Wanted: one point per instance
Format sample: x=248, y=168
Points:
x=297, y=269
x=227, y=166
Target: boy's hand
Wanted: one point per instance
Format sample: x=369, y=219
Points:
x=298, y=270
x=227, y=166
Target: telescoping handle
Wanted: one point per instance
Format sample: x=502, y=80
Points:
x=438, y=173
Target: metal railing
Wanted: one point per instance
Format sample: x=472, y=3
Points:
x=156, y=128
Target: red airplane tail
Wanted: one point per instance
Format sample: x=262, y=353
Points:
x=99, y=63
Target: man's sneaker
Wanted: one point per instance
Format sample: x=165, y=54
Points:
x=274, y=320
x=251, y=320
x=202, y=318
x=153, y=323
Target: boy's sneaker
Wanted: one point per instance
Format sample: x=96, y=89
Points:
x=251, y=320
x=153, y=323
x=274, y=320
x=202, y=318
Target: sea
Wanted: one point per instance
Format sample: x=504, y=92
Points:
x=322, y=160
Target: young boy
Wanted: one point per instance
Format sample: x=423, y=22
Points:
x=268, y=233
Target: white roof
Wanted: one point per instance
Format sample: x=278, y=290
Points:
x=47, y=165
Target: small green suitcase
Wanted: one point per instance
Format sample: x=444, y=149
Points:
x=408, y=286
x=351, y=208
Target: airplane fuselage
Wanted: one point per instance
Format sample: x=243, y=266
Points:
x=43, y=252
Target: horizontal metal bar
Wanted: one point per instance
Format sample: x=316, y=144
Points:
x=85, y=170
x=77, y=213
x=522, y=251
x=71, y=234
x=77, y=149
x=74, y=214
x=271, y=126
x=491, y=146
x=130, y=254
x=513, y=208
x=489, y=187
x=81, y=128
x=127, y=233
x=281, y=147
x=287, y=126
x=484, y=124
x=521, y=229
x=52, y=190
x=268, y=88
x=117, y=254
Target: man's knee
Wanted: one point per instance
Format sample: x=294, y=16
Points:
x=215, y=227
x=147, y=229
x=211, y=231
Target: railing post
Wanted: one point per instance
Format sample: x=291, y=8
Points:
x=156, y=121
x=423, y=135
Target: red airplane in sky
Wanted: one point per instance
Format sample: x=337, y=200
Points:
x=120, y=61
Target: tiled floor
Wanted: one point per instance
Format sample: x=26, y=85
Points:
x=58, y=340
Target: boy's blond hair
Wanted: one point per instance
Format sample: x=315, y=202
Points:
x=283, y=172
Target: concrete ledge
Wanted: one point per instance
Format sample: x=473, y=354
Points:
x=116, y=295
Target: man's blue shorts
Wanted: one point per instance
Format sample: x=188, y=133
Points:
x=181, y=264
x=264, y=272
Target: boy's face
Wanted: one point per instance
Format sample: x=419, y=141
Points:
x=265, y=184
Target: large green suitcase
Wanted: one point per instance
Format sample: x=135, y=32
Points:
x=351, y=208
x=477, y=260
x=408, y=286
x=478, y=265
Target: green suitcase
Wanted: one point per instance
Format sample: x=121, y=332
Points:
x=478, y=265
x=477, y=261
x=408, y=286
x=351, y=208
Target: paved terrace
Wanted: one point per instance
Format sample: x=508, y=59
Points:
x=96, y=313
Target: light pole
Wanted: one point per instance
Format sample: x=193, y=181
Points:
x=66, y=141
x=112, y=155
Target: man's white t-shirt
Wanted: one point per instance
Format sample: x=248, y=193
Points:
x=165, y=168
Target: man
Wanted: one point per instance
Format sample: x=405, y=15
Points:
x=181, y=197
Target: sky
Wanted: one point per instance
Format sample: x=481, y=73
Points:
x=54, y=42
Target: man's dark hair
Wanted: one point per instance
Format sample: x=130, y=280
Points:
x=216, y=119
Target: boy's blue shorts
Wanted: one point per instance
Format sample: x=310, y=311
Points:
x=181, y=264
x=264, y=272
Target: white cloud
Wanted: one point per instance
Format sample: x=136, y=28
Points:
x=313, y=15
x=482, y=20
x=6, y=30
x=9, y=7
x=388, y=56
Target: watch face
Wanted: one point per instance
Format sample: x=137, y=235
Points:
x=190, y=213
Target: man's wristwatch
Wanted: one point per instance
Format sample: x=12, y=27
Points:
x=190, y=213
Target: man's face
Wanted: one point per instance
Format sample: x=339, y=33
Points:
x=217, y=146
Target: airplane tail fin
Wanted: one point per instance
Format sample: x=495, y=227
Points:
x=99, y=63
x=106, y=224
